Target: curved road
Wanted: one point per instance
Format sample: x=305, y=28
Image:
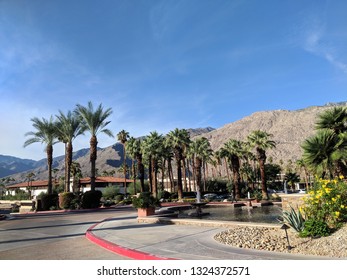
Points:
x=55, y=236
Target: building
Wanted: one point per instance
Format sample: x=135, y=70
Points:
x=36, y=187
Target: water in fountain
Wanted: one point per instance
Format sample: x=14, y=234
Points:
x=264, y=214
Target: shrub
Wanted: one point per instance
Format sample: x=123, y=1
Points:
x=165, y=195
x=91, y=199
x=66, y=200
x=49, y=201
x=145, y=200
x=327, y=202
x=110, y=192
x=315, y=228
x=119, y=198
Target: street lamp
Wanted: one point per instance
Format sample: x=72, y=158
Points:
x=285, y=227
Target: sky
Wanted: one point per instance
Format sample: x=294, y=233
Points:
x=165, y=64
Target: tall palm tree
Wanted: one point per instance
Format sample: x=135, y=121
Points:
x=233, y=150
x=302, y=165
x=95, y=122
x=68, y=128
x=179, y=139
x=46, y=134
x=152, y=148
x=260, y=140
x=199, y=150
x=123, y=137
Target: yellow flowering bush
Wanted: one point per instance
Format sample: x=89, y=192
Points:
x=327, y=202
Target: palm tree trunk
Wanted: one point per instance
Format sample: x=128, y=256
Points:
x=49, y=151
x=125, y=170
x=263, y=179
x=69, y=150
x=184, y=174
x=179, y=179
x=197, y=171
x=93, y=156
x=141, y=170
x=172, y=187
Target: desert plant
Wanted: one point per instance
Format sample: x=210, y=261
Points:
x=294, y=219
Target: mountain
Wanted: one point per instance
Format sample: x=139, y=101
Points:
x=10, y=165
x=288, y=128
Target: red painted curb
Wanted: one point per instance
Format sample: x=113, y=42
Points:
x=120, y=250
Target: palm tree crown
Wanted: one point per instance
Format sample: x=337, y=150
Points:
x=68, y=128
x=95, y=122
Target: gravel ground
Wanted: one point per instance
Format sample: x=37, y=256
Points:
x=274, y=239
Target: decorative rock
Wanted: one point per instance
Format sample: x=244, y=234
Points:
x=272, y=239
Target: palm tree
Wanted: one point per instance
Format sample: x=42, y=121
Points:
x=179, y=139
x=135, y=150
x=95, y=122
x=302, y=165
x=323, y=151
x=76, y=174
x=292, y=178
x=30, y=177
x=123, y=137
x=233, y=150
x=46, y=134
x=199, y=150
x=152, y=148
x=334, y=119
x=68, y=128
x=260, y=140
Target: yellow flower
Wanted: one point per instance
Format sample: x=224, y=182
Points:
x=337, y=214
x=341, y=177
x=327, y=190
x=333, y=199
x=342, y=206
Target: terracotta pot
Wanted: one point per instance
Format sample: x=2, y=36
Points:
x=143, y=212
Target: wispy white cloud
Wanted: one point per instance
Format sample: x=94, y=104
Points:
x=317, y=41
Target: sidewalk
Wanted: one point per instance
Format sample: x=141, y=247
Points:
x=149, y=241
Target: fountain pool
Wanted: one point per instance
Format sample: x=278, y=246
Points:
x=264, y=214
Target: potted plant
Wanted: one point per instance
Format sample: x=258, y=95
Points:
x=145, y=204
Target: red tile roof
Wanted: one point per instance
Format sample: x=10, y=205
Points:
x=83, y=181
x=107, y=179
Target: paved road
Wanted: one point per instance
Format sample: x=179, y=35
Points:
x=59, y=236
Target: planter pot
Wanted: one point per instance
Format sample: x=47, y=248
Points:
x=143, y=212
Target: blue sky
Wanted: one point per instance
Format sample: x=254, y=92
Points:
x=162, y=64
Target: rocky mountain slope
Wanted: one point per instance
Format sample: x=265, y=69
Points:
x=289, y=130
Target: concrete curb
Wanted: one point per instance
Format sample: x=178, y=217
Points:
x=120, y=250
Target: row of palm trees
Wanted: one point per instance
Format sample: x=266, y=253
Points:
x=160, y=151
x=155, y=150
x=65, y=129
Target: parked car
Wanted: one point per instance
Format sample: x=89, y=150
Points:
x=210, y=196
